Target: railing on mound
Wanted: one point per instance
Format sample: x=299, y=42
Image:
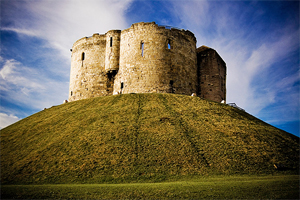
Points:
x=234, y=105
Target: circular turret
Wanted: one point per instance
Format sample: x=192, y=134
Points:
x=88, y=77
x=112, y=55
x=156, y=59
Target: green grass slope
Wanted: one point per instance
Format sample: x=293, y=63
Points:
x=141, y=137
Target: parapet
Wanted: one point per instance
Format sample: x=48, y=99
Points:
x=96, y=38
x=154, y=25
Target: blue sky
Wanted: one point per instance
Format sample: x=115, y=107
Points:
x=258, y=40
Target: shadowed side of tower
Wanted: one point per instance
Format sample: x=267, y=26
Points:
x=212, y=74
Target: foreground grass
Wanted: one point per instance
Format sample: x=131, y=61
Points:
x=225, y=187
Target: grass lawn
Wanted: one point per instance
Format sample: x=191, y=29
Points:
x=219, y=187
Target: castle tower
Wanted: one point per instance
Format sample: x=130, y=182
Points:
x=88, y=76
x=156, y=59
x=112, y=54
x=212, y=74
x=145, y=58
x=112, y=57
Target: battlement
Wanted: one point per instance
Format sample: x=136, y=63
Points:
x=143, y=58
x=95, y=39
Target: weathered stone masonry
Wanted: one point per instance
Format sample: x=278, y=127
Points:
x=145, y=58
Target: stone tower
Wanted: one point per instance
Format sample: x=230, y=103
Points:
x=156, y=59
x=144, y=58
x=211, y=74
x=88, y=77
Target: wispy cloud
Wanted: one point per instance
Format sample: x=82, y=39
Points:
x=58, y=25
x=20, y=31
x=6, y=120
x=22, y=85
x=62, y=23
x=246, y=50
x=13, y=74
x=244, y=71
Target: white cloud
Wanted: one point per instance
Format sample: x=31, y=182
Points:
x=287, y=82
x=63, y=22
x=7, y=69
x=13, y=74
x=29, y=87
x=6, y=120
x=260, y=61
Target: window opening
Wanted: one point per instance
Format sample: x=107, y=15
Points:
x=111, y=41
x=142, y=47
x=71, y=93
x=122, y=85
x=169, y=44
x=171, y=86
x=82, y=56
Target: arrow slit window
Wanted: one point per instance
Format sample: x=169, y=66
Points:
x=142, y=48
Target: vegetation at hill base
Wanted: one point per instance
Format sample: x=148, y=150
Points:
x=142, y=138
x=221, y=187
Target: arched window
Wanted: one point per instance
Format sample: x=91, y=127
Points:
x=82, y=56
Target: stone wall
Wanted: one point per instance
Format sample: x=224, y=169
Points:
x=212, y=74
x=156, y=59
x=112, y=54
x=88, y=76
x=145, y=58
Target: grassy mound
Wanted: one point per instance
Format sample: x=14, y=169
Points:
x=141, y=137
